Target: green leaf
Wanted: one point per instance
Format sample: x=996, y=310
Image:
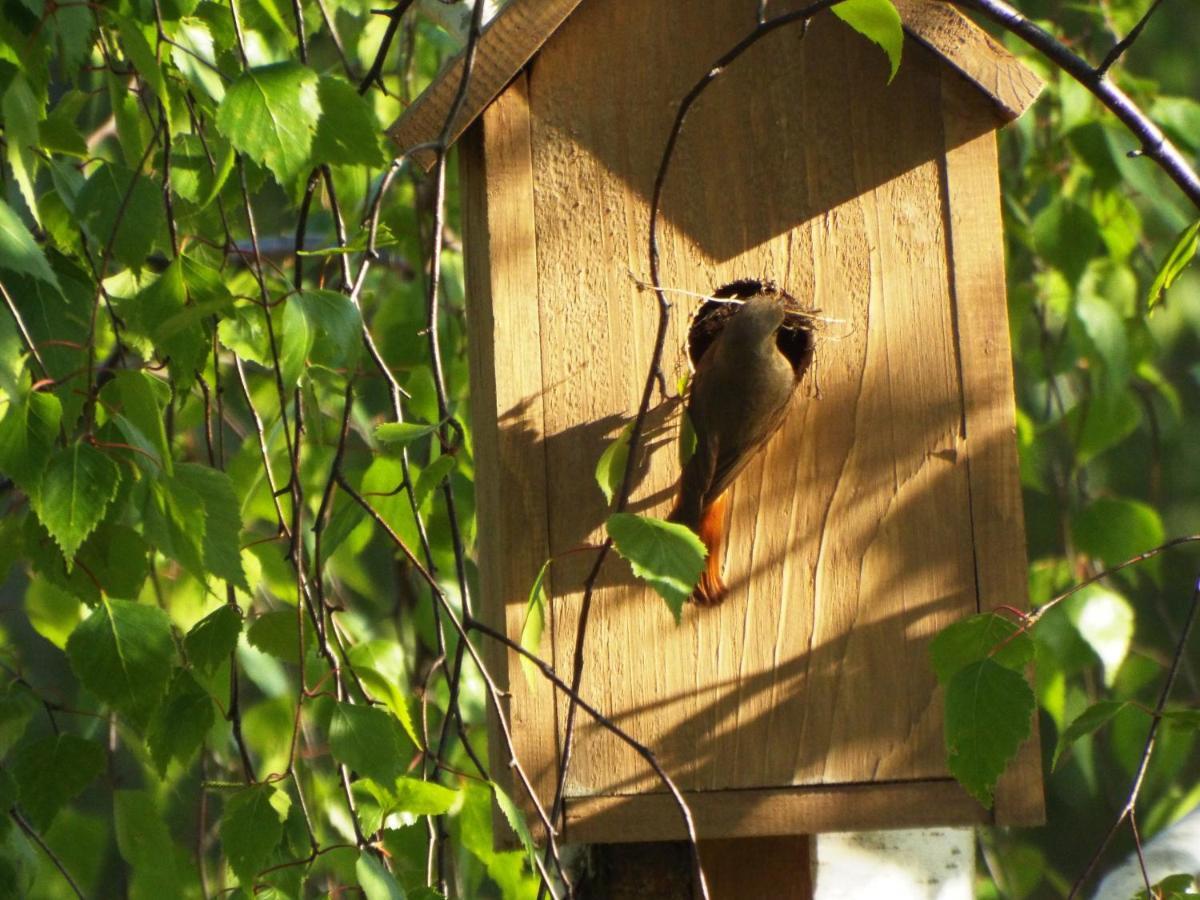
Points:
x=133, y=128
x=381, y=482
x=222, y=521
x=73, y=26
x=181, y=722
x=58, y=322
x=610, y=470
x=77, y=486
x=987, y=635
x=58, y=133
x=403, y=432
x=276, y=633
x=22, y=110
x=368, y=740
x=27, y=435
x=1089, y=721
x=117, y=561
x=1173, y=887
x=1105, y=620
x=1104, y=328
x=193, y=47
x=270, y=113
x=213, y=638
x=174, y=522
x=535, y=622
x=252, y=827
x=170, y=312
x=1114, y=530
x=1102, y=422
x=51, y=771
x=296, y=337
x=432, y=476
x=18, y=250
x=17, y=706
x=137, y=50
x=122, y=653
x=516, y=820
x=420, y=798
x=20, y=864
x=667, y=556
x=136, y=402
x=989, y=709
x=1178, y=259
x=347, y=132
x=195, y=177
x=1185, y=719
x=386, y=690
x=53, y=612
x=377, y=883
x=1066, y=234
x=145, y=844
x=244, y=331
x=336, y=326
x=877, y=21
x=123, y=209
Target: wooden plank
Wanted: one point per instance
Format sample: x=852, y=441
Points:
x=506, y=412
x=937, y=24
x=781, y=811
x=505, y=45
x=521, y=28
x=974, y=216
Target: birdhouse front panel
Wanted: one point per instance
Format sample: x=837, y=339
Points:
x=886, y=507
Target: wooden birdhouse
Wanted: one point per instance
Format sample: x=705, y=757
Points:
x=888, y=504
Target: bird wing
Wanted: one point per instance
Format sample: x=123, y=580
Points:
x=735, y=455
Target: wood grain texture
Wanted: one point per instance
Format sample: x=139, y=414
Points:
x=973, y=52
x=973, y=211
x=523, y=26
x=506, y=411
x=505, y=45
x=760, y=813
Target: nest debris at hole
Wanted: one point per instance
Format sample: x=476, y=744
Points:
x=795, y=337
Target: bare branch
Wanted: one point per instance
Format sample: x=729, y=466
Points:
x=1155, y=145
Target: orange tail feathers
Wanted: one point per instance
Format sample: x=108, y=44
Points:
x=711, y=589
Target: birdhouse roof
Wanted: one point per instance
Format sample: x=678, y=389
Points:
x=521, y=28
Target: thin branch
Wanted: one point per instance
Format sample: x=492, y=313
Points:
x=375, y=73
x=1154, y=144
x=1128, y=810
x=1035, y=615
x=45, y=848
x=1123, y=45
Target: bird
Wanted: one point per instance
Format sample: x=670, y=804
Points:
x=745, y=376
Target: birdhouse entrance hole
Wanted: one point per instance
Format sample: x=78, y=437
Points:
x=795, y=339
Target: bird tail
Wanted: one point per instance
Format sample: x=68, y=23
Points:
x=711, y=589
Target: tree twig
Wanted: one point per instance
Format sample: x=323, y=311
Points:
x=32, y=834
x=1128, y=811
x=1154, y=144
